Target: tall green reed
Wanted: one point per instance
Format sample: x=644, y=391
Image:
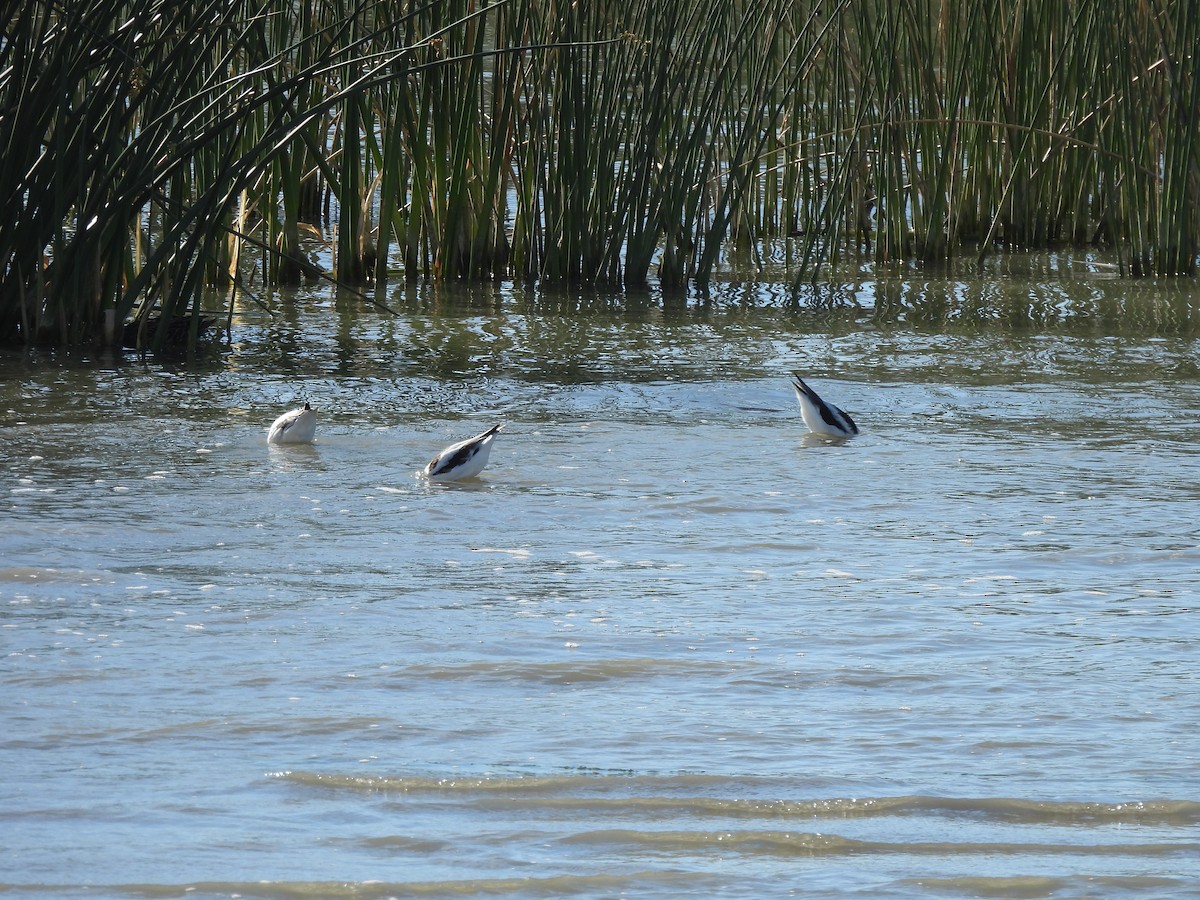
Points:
x=150, y=144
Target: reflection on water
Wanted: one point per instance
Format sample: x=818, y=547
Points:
x=668, y=644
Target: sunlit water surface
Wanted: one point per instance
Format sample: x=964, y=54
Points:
x=666, y=646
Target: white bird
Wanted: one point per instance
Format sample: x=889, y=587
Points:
x=821, y=417
x=295, y=427
x=465, y=459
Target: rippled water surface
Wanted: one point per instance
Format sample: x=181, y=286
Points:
x=666, y=646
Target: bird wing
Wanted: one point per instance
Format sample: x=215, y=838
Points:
x=848, y=421
x=454, y=456
x=831, y=415
x=461, y=453
x=287, y=420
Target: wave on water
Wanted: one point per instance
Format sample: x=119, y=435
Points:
x=550, y=886
x=650, y=794
x=665, y=883
x=818, y=844
x=558, y=673
x=1032, y=886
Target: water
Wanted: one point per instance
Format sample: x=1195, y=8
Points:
x=665, y=647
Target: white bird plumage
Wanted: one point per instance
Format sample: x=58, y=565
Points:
x=465, y=459
x=295, y=427
x=821, y=417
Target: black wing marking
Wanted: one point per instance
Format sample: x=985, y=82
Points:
x=460, y=457
x=293, y=417
x=849, y=421
x=834, y=416
x=453, y=457
x=829, y=412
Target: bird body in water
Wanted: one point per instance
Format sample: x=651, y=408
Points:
x=821, y=417
x=295, y=427
x=465, y=459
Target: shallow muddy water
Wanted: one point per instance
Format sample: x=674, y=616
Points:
x=665, y=646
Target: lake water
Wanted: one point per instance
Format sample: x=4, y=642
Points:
x=665, y=646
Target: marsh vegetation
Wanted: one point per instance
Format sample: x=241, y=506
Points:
x=155, y=151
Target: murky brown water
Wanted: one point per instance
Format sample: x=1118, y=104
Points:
x=664, y=647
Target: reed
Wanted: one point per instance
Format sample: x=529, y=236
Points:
x=155, y=150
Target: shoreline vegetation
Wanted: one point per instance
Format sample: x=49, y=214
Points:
x=154, y=151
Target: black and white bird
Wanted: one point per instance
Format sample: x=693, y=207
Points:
x=295, y=427
x=821, y=417
x=465, y=459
